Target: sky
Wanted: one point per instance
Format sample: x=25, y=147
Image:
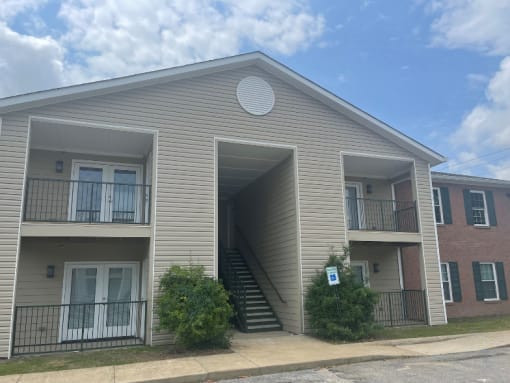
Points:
x=437, y=70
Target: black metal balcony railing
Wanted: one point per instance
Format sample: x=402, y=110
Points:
x=381, y=215
x=77, y=327
x=50, y=200
x=401, y=308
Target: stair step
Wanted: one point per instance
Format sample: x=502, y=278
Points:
x=256, y=302
x=261, y=320
x=259, y=316
x=263, y=327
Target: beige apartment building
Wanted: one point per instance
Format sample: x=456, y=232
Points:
x=238, y=164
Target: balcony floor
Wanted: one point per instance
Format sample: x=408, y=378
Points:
x=383, y=236
x=68, y=229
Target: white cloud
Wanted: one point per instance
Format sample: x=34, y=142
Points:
x=481, y=25
x=11, y=8
x=473, y=24
x=107, y=38
x=500, y=170
x=28, y=62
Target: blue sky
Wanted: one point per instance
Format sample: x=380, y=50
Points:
x=437, y=70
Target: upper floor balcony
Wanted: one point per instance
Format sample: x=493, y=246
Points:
x=381, y=215
x=87, y=181
x=88, y=199
x=380, y=199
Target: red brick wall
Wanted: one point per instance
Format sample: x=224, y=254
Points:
x=463, y=243
x=411, y=268
x=410, y=255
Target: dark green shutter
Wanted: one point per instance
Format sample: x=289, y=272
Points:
x=490, y=208
x=500, y=271
x=447, y=210
x=455, y=281
x=468, y=207
x=478, y=281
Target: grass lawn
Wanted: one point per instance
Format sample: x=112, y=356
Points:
x=97, y=358
x=454, y=326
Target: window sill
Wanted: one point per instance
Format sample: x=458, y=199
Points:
x=481, y=226
x=493, y=300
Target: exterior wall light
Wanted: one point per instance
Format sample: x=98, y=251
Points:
x=369, y=188
x=50, y=271
x=59, y=166
x=376, y=268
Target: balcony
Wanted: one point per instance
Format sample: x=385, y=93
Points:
x=40, y=329
x=57, y=201
x=381, y=215
x=389, y=221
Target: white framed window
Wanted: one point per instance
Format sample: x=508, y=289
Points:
x=438, y=205
x=446, y=282
x=360, y=271
x=489, y=281
x=479, y=208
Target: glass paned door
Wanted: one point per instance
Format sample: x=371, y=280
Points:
x=124, y=199
x=88, y=195
x=98, y=301
x=79, y=314
x=105, y=193
x=120, y=316
x=352, y=207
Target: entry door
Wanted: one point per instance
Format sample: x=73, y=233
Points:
x=353, y=206
x=103, y=192
x=97, y=300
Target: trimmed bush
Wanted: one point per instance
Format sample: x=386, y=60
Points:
x=342, y=312
x=194, y=307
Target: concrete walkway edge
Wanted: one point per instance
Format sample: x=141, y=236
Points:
x=259, y=354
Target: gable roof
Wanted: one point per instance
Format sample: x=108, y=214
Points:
x=74, y=92
x=462, y=179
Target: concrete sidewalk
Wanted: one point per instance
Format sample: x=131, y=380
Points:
x=255, y=354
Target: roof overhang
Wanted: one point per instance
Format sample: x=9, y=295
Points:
x=53, y=96
x=461, y=179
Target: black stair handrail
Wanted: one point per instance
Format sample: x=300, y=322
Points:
x=254, y=256
x=236, y=286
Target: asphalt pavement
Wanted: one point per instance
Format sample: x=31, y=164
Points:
x=486, y=366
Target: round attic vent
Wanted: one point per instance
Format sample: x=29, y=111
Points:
x=255, y=95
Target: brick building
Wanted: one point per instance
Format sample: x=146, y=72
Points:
x=473, y=227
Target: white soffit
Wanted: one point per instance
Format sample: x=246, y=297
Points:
x=241, y=164
x=83, y=139
x=370, y=167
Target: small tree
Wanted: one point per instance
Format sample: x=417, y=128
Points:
x=344, y=311
x=194, y=307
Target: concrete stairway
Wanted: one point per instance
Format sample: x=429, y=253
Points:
x=259, y=314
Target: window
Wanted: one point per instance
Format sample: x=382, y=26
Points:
x=489, y=281
x=360, y=271
x=479, y=208
x=446, y=282
x=438, y=205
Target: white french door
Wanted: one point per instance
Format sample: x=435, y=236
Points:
x=354, y=206
x=96, y=298
x=105, y=192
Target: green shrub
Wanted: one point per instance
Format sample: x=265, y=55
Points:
x=342, y=312
x=194, y=307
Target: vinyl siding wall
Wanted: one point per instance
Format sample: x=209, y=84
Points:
x=188, y=115
x=266, y=213
x=33, y=287
x=13, y=142
x=388, y=278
